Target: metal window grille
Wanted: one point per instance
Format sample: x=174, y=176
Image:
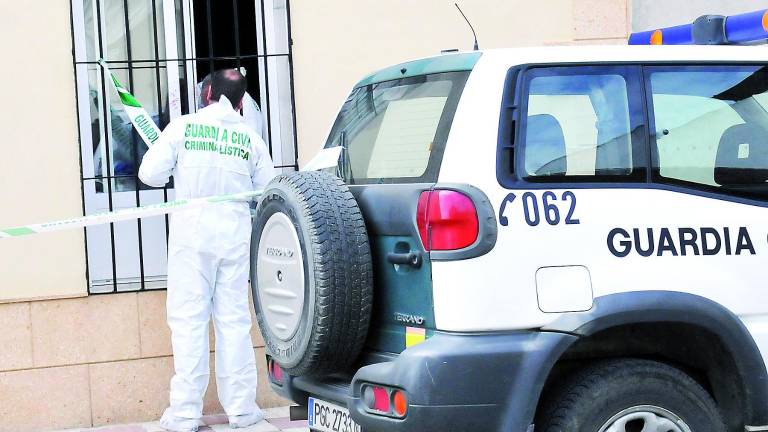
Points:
x=126, y=256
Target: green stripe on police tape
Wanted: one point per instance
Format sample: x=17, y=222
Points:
x=15, y=232
x=124, y=214
x=125, y=97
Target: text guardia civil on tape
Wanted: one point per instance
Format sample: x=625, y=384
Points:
x=140, y=118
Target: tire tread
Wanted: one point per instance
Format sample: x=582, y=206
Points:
x=566, y=401
x=342, y=271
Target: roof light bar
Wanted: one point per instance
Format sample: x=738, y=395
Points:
x=747, y=27
x=709, y=30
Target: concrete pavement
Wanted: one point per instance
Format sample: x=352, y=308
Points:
x=276, y=420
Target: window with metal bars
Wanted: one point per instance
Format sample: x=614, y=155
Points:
x=161, y=50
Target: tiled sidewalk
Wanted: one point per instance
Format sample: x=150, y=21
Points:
x=276, y=420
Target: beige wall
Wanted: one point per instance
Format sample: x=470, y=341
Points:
x=337, y=43
x=39, y=165
x=94, y=360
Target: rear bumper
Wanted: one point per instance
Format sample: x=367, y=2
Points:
x=488, y=382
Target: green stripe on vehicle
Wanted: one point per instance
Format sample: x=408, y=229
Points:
x=431, y=65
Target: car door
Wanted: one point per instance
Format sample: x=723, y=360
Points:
x=392, y=135
x=709, y=130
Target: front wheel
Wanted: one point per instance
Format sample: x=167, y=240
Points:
x=630, y=395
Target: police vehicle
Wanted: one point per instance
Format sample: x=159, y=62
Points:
x=552, y=239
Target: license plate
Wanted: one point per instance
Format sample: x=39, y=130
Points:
x=327, y=417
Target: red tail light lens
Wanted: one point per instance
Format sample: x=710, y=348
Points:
x=385, y=401
x=380, y=399
x=447, y=220
x=275, y=371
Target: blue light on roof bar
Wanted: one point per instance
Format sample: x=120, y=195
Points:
x=747, y=27
x=678, y=35
x=641, y=38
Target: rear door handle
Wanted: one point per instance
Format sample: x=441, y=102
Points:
x=412, y=258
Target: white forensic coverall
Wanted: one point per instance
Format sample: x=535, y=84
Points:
x=252, y=114
x=211, y=152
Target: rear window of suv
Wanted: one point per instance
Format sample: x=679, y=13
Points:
x=395, y=131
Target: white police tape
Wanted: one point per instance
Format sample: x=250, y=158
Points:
x=140, y=118
x=124, y=214
x=149, y=133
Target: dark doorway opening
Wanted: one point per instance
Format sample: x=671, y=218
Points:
x=225, y=37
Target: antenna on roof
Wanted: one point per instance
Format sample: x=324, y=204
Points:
x=469, y=23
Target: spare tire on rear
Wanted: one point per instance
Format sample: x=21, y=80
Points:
x=311, y=273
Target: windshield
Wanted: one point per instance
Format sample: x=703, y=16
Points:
x=395, y=131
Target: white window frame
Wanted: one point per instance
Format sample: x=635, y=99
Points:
x=122, y=239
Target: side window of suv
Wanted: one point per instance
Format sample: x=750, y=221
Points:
x=711, y=127
x=582, y=124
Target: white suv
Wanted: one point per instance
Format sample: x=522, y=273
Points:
x=569, y=237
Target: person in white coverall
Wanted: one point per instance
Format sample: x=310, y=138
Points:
x=211, y=152
x=252, y=114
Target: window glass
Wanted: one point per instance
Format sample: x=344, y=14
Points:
x=129, y=34
x=396, y=130
x=711, y=127
x=579, y=123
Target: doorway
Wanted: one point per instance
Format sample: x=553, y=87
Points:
x=225, y=37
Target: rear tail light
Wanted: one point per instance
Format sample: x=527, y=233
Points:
x=380, y=399
x=385, y=400
x=275, y=371
x=400, y=403
x=447, y=220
